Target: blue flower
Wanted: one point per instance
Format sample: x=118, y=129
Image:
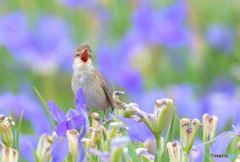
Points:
x=79, y=3
x=186, y=101
x=65, y=121
x=137, y=131
x=81, y=151
x=13, y=35
x=33, y=112
x=75, y=117
x=60, y=149
x=220, y=37
x=220, y=104
x=221, y=142
x=80, y=119
x=165, y=27
x=51, y=40
x=115, y=67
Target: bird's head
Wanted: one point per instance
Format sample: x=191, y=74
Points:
x=82, y=57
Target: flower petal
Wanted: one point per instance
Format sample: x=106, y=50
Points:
x=71, y=113
x=62, y=128
x=80, y=101
x=137, y=131
x=81, y=150
x=60, y=149
x=221, y=142
x=56, y=112
x=78, y=121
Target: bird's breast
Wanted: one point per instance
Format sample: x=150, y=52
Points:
x=92, y=90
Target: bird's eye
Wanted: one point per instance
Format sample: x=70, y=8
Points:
x=77, y=55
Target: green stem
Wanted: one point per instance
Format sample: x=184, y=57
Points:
x=185, y=156
x=157, y=156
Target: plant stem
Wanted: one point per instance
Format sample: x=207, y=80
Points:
x=185, y=156
x=157, y=156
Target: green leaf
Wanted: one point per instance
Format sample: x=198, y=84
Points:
x=18, y=132
x=34, y=154
x=169, y=136
x=131, y=148
x=206, y=155
x=45, y=106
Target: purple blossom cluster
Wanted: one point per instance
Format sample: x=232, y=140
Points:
x=45, y=46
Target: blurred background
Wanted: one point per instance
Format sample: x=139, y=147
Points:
x=184, y=50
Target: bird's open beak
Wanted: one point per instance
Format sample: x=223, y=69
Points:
x=84, y=56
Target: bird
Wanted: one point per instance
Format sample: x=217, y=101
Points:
x=95, y=89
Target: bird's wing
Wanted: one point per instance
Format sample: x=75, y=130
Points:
x=106, y=88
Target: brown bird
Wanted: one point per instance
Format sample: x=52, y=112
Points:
x=95, y=88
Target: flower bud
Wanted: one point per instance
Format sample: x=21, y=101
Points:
x=188, y=133
x=114, y=129
x=90, y=143
x=117, y=146
x=173, y=150
x=5, y=130
x=209, y=127
x=95, y=120
x=9, y=155
x=116, y=94
x=72, y=136
x=131, y=109
x=160, y=112
x=44, y=147
x=149, y=144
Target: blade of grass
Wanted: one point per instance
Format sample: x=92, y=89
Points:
x=45, y=106
x=14, y=140
x=206, y=155
x=34, y=154
x=131, y=148
x=18, y=132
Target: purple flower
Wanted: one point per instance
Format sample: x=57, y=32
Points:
x=80, y=3
x=115, y=66
x=220, y=104
x=73, y=116
x=137, y=131
x=60, y=149
x=146, y=100
x=186, y=102
x=51, y=41
x=33, y=112
x=79, y=118
x=165, y=27
x=220, y=37
x=13, y=29
x=65, y=121
x=81, y=151
x=221, y=142
x=197, y=150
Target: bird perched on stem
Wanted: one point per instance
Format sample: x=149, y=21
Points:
x=95, y=88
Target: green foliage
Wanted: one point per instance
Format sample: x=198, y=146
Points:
x=45, y=106
x=18, y=132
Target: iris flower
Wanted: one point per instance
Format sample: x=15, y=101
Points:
x=72, y=118
x=221, y=142
x=77, y=117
